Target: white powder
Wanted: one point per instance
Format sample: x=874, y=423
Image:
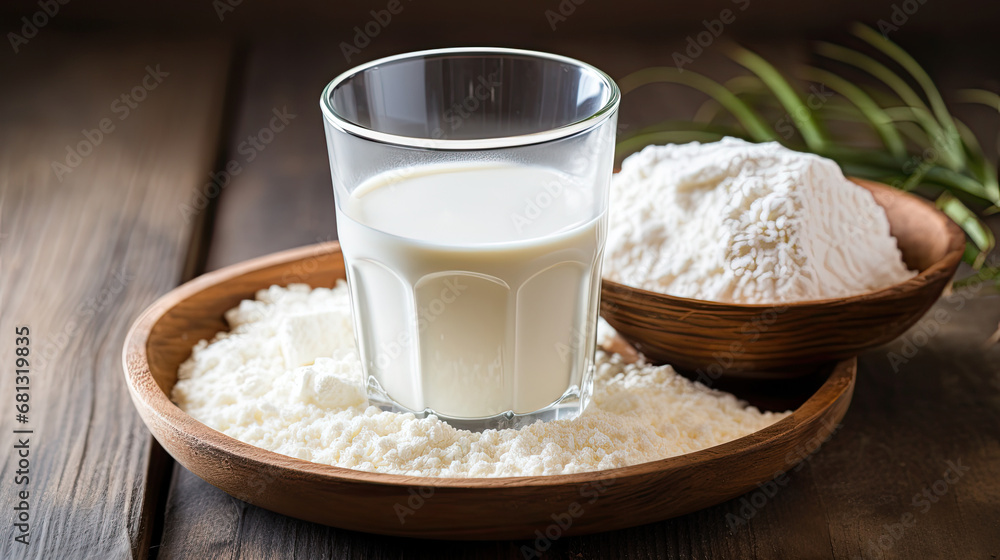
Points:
x=746, y=223
x=249, y=383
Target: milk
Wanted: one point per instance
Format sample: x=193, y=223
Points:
x=475, y=286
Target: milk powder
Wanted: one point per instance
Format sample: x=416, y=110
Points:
x=286, y=377
x=738, y=222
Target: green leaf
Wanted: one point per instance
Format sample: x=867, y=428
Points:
x=746, y=116
x=875, y=68
x=707, y=112
x=981, y=96
x=892, y=50
x=917, y=177
x=739, y=85
x=940, y=146
x=989, y=275
x=906, y=113
x=873, y=173
x=972, y=153
x=871, y=111
x=978, y=164
x=803, y=117
x=845, y=113
x=875, y=158
x=914, y=133
x=957, y=181
x=747, y=83
x=977, y=231
x=950, y=152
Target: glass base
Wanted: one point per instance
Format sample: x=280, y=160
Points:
x=570, y=405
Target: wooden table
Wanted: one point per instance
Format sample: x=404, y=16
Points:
x=139, y=125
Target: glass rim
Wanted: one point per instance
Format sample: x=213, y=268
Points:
x=594, y=119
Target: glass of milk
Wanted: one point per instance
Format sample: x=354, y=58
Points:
x=471, y=187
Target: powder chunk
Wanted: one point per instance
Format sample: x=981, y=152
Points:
x=738, y=222
x=305, y=336
x=241, y=385
x=328, y=383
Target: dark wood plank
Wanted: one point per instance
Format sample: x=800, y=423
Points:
x=82, y=256
x=942, y=405
x=254, y=217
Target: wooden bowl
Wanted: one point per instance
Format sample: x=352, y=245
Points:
x=784, y=340
x=498, y=508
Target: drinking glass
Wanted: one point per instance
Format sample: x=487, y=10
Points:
x=471, y=187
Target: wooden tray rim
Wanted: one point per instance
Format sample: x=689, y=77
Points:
x=142, y=385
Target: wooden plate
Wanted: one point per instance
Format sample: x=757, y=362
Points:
x=770, y=341
x=457, y=508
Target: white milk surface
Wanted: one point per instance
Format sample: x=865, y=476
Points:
x=476, y=285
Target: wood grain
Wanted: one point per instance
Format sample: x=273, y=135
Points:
x=783, y=340
x=254, y=218
x=82, y=256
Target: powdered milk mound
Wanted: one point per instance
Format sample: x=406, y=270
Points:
x=287, y=378
x=738, y=222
